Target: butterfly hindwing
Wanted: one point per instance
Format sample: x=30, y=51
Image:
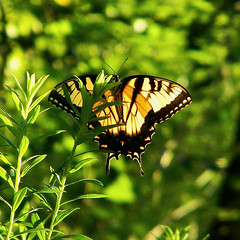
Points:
x=146, y=100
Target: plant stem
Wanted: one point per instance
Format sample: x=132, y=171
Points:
x=16, y=187
x=62, y=187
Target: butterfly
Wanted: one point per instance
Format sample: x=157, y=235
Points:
x=146, y=101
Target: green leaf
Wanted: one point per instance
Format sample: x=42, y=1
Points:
x=36, y=87
x=37, y=230
x=20, y=88
x=42, y=199
x=24, y=214
x=47, y=135
x=104, y=105
x=18, y=197
x=5, y=160
x=6, y=177
x=6, y=202
x=17, y=101
x=81, y=164
x=72, y=236
x=23, y=146
x=30, y=82
x=38, y=100
x=1, y=236
x=37, y=160
x=49, y=190
x=6, y=120
x=37, y=224
x=63, y=214
x=89, y=196
x=93, y=195
x=54, y=177
x=9, y=141
x=86, y=180
x=34, y=115
x=8, y=123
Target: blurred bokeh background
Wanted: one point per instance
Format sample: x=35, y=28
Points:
x=192, y=167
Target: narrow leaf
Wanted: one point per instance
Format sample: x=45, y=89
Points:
x=38, y=84
x=23, y=146
x=86, y=180
x=20, y=88
x=91, y=195
x=49, y=190
x=6, y=177
x=38, y=100
x=5, y=160
x=32, y=164
x=6, y=202
x=81, y=164
x=18, y=197
x=105, y=105
x=72, y=236
x=25, y=214
x=8, y=121
x=30, y=83
x=36, y=230
x=63, y=214
x=37, y=224
x=9, y=141
x=47, y=135
x=34, y=115
x=17, y=101
x=43, y=200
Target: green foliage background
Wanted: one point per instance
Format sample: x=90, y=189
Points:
x=191, y=167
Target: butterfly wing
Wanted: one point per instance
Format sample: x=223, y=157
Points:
x=147, y=100
x=58, y=98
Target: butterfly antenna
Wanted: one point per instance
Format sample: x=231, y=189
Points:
x=122, y=65
x=101, y=57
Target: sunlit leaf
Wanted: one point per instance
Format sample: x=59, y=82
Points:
x=37, y=224
x=5, y=160
x=23, y=146
x=34, y=115
x=30, y=82
x=18, y=197
x=37, y=86
x=38, y=100
x=7, y=121
x=49, y=190
x=4, y=175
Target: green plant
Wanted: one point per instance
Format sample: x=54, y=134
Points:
x=29, y=110
x=169, y=234
x=25, y=221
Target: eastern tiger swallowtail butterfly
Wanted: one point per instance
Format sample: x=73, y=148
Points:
x=147, y=100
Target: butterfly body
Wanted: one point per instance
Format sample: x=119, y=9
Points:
x=146, y=101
